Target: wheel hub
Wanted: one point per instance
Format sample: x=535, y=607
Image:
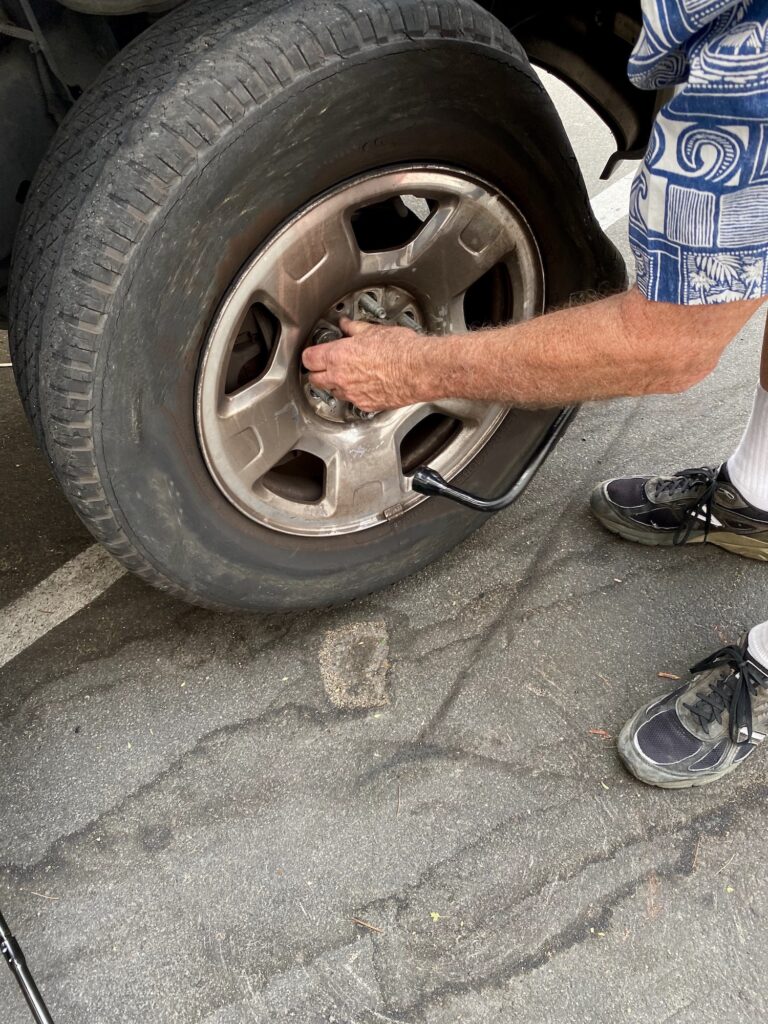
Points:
x=384, y=306
x=427, y=248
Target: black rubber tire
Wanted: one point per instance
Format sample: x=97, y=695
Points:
x=195, y=144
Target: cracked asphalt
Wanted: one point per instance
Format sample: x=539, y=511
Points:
x=405, y=810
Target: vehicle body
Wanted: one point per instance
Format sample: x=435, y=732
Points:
x=190, y=191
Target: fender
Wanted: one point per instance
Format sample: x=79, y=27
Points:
x=587, y=45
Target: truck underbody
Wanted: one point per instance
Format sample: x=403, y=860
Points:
x=51, y=50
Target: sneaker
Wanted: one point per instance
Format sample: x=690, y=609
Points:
x=693, y=506
x=705, y=728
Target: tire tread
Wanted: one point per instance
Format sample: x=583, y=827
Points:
x=110, y=178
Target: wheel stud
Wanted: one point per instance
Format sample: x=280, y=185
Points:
x=408, y=320
x=371, y=305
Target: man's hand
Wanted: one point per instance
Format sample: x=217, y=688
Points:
x=624, y=345
x=373, y=367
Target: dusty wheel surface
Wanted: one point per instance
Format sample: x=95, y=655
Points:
x=406, y=245
x=206, y=210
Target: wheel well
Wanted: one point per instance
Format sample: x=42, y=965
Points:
x=588, y=48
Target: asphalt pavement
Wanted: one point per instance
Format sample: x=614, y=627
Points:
x=408, y=809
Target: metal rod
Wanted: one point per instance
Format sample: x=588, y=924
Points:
x=17, y=33
x=14, y=957
x=45, y=49
x=428, y=481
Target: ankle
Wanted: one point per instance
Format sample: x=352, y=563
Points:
x=758, y=644
x=748, y=466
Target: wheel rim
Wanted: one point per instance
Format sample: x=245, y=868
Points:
x=459, y=255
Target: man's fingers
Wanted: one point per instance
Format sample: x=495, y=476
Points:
x=315, y=357
x=353, y=327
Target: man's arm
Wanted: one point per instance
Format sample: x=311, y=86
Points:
x=620, y=346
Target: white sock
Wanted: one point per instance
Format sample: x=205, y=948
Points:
x=748, y=466
x=758, y=643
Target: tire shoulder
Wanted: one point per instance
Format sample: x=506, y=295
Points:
x=108, y=179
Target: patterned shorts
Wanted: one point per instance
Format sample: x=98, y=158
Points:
x=698, y=223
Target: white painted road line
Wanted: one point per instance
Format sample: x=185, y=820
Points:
x=84, y=578
x=64, y=593
x=612, y=204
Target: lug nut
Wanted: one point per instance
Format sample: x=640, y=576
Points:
x=323, y=396
x=320, y=337
x=325, y=334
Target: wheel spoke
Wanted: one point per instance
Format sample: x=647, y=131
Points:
x=262, y=422
x=362, y=471
x=464, y=238
x=307, y=271
x=400, y=421
x=466, y=410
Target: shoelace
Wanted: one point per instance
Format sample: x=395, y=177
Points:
x=689, y=480
x=732, y=693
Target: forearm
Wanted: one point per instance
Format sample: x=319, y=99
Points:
x=623, y=345
x=567, y=356
x=618, y=346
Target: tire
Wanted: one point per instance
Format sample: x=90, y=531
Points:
x=195, y=145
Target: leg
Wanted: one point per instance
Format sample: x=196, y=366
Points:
x=758, y=635
x=725, y=505
x=748, y=466
x=707, y=727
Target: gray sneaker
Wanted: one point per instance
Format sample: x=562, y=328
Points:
x=690, y=507
x=705, y=728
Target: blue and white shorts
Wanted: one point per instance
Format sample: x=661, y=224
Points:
x=698, y=224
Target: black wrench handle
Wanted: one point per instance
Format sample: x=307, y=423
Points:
x=14, y=957
x=427, y=481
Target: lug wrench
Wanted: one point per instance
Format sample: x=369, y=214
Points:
x=14, y=957
x=428, y=481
